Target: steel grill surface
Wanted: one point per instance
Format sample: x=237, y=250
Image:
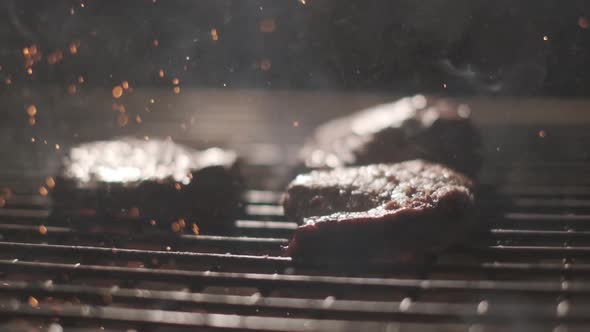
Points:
x=527, y=271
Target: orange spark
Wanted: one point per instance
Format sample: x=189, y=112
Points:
x=117, y=91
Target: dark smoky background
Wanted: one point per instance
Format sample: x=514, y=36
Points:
x=400, y=46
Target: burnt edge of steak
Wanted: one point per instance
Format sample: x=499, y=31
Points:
x=390, y=211
x=147, y=185
x=415, y=127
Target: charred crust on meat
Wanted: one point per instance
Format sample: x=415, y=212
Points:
x=381, y=210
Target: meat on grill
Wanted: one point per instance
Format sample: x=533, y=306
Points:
x=155, y=182
x=410, y=128
x=391, y=211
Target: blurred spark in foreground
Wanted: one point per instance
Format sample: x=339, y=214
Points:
x=43, y=191
x=117, y=91
x=32, y=110
x=42, y=230
x=73, y=47
x=50, y=182
x=214, y=35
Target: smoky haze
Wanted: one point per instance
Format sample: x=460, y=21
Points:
x=400, y=46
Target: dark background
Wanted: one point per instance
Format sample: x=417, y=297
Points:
x=401, y=46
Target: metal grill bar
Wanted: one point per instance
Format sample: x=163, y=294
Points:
x=274, y=281
x=89, y=254
x=327, y=308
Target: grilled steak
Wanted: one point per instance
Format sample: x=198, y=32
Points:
x=154, y=183
x=382, y=210
x=411, y=128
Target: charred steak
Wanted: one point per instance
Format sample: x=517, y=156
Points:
x=155, y=182
x=391, y=211
x=410, y=128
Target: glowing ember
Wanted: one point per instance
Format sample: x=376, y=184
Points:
x=175, y=81
x=74, y=47
x=125, y=85
x=117, y=92
x=50, y=182
x=267, y=25
x=176, y=89
x=43, y=191
x=195, y=229
x=32, y=110
x=42, y=230
x=583, y=22
x=161, y=73
x=214, y=35
x=33, y=302
x=265, y=64
x=72, y=89
x=542, y=134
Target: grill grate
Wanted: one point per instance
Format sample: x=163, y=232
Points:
x=527, y=272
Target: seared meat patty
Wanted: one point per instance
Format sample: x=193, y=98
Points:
x=411, y=128
x=155, y=182
x=382, y=210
